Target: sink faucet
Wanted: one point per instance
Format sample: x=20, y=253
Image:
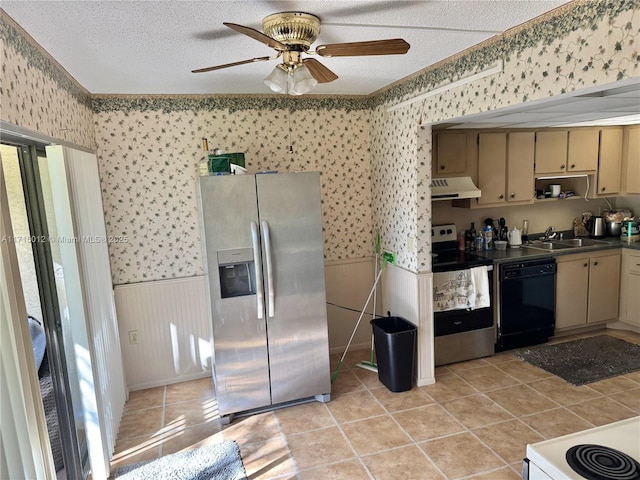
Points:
x=549, y=233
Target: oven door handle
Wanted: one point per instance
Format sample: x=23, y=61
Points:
x=489, y=269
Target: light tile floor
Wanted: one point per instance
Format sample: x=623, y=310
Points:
x=474, y=422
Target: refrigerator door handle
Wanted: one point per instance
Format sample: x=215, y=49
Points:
x=267, y=253
x=258, y=261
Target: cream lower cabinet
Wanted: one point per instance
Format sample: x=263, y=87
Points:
x=587, y=289
x=630, y=287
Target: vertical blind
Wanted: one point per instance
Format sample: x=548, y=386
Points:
x=79, y=215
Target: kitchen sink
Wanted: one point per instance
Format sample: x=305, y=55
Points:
x=553, y=245
x=547, y=245
x=581, y=242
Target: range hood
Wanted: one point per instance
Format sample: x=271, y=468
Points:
x=452, y=188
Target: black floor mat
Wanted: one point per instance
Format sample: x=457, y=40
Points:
x=585, y=361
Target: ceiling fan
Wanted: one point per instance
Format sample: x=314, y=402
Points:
x=291, y=35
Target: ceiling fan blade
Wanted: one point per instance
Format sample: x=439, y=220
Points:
x=256, y=35
x=318, y=71
x=393, y=46
x=226, y=65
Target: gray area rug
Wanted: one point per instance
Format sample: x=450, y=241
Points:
x=585, y=361
x=220, y=461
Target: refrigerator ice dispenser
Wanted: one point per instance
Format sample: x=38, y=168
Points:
x=237, y=272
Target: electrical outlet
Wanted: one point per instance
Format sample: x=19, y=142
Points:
x=411, y=243
x=133, y=337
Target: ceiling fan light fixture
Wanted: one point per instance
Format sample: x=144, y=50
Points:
x=291, y=79
x=303, y=81
x=278, y=80
x=291, y=34
x=292, y=28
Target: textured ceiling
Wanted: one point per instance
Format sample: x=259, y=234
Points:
x=150, y=47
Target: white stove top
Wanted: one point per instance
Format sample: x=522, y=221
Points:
x=549, y=455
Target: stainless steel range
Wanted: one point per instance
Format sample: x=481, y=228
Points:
x=462, y=300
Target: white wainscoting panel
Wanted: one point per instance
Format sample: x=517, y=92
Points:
x=409, y=295
x=348, y=284
x=172, y=322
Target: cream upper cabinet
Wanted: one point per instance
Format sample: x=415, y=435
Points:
x=582, y=153
x=567, y=151
x=492, y=164
x=631, y=160
x=450, y=153
x=587, y=289
x=505, y=168
x=520, y=160
x=508, y=165
x=551, y=152
x=609, y=162
x=630, y=287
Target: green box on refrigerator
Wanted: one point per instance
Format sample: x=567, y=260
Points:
x=222, y=163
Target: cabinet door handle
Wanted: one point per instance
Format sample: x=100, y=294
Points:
x=586, y=265
x=573, y=166
x=562, y=167
x=441, y=167
x=595, y=263
x=500, y=196
x=603, y=189
x=513, y=195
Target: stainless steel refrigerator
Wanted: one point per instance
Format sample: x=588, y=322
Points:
x=265, y=266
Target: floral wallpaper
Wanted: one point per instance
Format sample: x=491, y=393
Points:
x=375, y=163
x=36, y=93
x=148, y=164
x=591, y=43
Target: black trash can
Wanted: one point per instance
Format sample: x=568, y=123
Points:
x=395, y=341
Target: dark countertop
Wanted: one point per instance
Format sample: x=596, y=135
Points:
x=523, y=253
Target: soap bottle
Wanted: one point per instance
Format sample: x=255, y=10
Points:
x=479, y=242
x=488, y=237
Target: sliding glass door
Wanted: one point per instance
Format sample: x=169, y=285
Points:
x=49, y=285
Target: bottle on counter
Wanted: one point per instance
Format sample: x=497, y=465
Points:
x=471, y=235
x=525, y=231
x=461, y=241
x=488, y=237
x=203, y=164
